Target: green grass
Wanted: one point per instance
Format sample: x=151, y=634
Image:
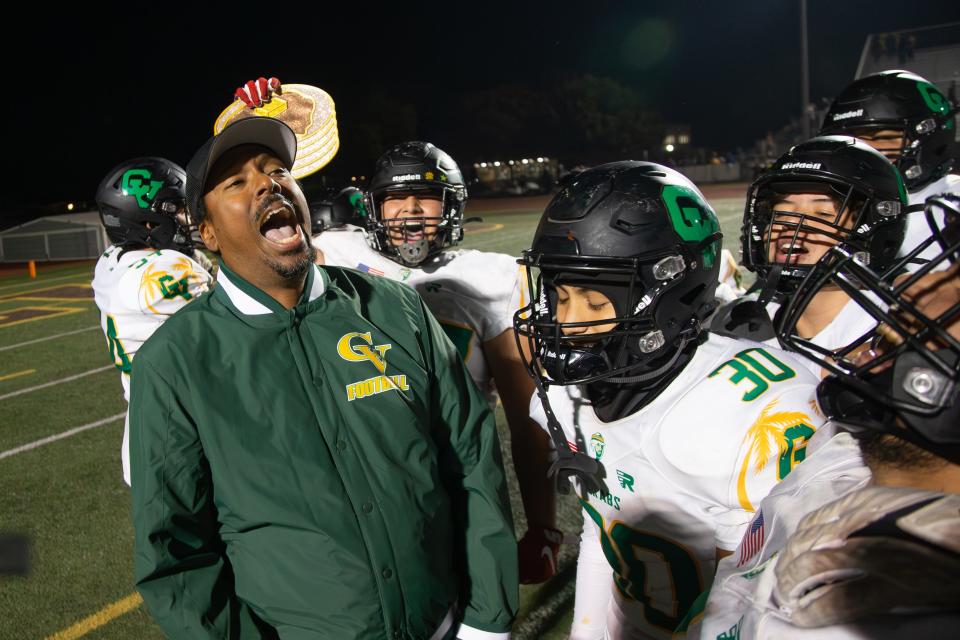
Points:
x=69, y=498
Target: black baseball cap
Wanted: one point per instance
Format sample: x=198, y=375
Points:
x=267, y=132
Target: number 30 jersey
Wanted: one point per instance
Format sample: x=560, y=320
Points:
x=685, y=475
x=135, y=292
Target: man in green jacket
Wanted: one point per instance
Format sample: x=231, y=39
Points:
x=310, y=458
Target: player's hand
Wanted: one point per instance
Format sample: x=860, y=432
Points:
x=256, y=93
x=538, y=551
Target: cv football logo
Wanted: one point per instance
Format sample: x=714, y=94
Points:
x=358, y=352
x=358, y=347
x=137, y=183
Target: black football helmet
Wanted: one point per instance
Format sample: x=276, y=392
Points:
x=413, y=167
x=900, y=100
x=857, y=178
x=903, y=376
x=336, y=208
x=142, y=202
x=643, y=235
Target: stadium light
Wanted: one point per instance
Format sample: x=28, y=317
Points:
x=511, y=163
x=525, y=161
x=497, y=163
x=483, y=164
x=539, y=159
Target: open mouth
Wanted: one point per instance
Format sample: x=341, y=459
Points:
x=281, y=226
x=789, y=251
x=409, y=231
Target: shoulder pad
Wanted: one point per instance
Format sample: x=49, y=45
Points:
x=743, y=319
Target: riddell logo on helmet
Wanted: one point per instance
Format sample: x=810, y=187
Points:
x=405, y=177
x=801, y=165
x=848, y=114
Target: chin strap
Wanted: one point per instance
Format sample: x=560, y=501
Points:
x=413, y=253
x=570, y=463
x=685, y=338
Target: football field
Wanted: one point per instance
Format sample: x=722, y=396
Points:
x=61, y=422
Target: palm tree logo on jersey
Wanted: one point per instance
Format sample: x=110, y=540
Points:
x=158, y=284
x=788, y=431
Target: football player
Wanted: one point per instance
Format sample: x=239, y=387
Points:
x=150, y=270
x=822, y=192
x=672, y=434
x=912, y=123
x=862, y=541
x=412, y=216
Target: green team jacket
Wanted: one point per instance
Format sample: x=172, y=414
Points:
x=328, y=471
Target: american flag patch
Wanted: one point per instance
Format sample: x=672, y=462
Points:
x=752, y=540
x=370, y=270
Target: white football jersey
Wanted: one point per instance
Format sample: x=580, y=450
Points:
x=685, y=475
x=833, y=468
x=473, y=294
x=918, y=229
x=851, y=323
x=135, y=292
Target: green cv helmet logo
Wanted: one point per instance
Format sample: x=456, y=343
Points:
x=932, y=96
x=692, y=218
x=137, y=183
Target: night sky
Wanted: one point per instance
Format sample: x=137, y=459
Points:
x=89, y=87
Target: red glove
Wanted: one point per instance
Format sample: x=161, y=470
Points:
x=538, y=551
x=256, y=93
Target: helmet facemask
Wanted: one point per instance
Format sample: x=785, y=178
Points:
x=778, y=241
x=174, y=225
x=905, y=372
x=632, y=350
x=412, y=239
x=919, y=137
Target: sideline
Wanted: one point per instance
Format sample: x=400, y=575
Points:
x=100, y=618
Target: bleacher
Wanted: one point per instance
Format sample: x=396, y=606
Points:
x=932, y=52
